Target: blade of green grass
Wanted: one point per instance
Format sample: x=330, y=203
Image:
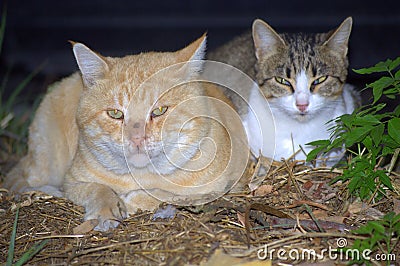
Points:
x=4, y=83
x=3, y=25
x=2, y=30
x=31, y=252
x=11, y=100
x=10, y=255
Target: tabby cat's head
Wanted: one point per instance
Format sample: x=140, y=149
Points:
x=300, y=73
x=120, y=118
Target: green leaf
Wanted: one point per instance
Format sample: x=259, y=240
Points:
x=396, y=111
x=389, y=142
x=336, y=143
x=394, y=129
x=377, y=226
x=357, y=135
x=369, y=181
x=396, y=218
x=388, y=65
x=377, y=133
x=388, y=218
x=379, y=85
x=368, y=119
x=321, y=142
x=373, y=110
x=364, y=192
x=396, y=224
x=396, y=228
x=347, y=120
x=354, y=183
x=391, y=92
x=395, y=63
x=313, y=154
x=368, y=143
x=320, y=146
x=363, y=230
x=379, y=67
x=397, y=75
x=375, y=239
x=387, y=151
x=385, y=179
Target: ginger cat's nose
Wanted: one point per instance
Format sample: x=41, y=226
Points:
x=138, y=140
x=138, y=134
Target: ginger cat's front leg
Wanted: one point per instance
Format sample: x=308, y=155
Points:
x=100, y=202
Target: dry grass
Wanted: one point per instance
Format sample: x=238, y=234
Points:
x=294, y=208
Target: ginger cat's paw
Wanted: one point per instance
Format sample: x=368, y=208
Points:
x=108, y=213
x=141, y=199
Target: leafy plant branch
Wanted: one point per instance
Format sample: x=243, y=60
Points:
x=372, y=133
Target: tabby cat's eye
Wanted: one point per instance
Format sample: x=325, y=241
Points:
x=115, y=114
x=159, y=111
x=319, y=80
x=282, y=81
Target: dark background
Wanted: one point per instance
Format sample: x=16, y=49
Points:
x=37, y=31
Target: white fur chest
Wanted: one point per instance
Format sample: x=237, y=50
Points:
x=270, y=126
x=291, y=134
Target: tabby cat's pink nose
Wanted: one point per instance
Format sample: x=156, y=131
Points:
x=302, y=107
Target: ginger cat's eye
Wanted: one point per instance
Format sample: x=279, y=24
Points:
x=283, y=81
x=319, y=80
x=159, y=111
x=115, y=114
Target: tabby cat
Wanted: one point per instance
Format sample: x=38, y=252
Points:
x=302, y=78
x=126, y=133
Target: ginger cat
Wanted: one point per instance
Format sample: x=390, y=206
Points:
x=126, y=133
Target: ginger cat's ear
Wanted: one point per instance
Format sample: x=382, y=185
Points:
x=91, y=64
x=266, y=40
x=196, y=50
x=194, y=53
x=339, y=38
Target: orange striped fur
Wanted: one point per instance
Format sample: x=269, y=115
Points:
x=95, y=141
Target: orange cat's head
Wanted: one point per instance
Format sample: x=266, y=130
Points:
x=139, y=108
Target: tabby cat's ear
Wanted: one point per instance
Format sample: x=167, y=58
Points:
x=266, y=40
x=339, y=38
x=91, y=64
x=194, y=54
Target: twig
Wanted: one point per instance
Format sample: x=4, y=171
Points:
x=301, y=202
x=264, y=208
x=90, y=250
x=393, y=160
x=290, y=170
x=309, y=211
